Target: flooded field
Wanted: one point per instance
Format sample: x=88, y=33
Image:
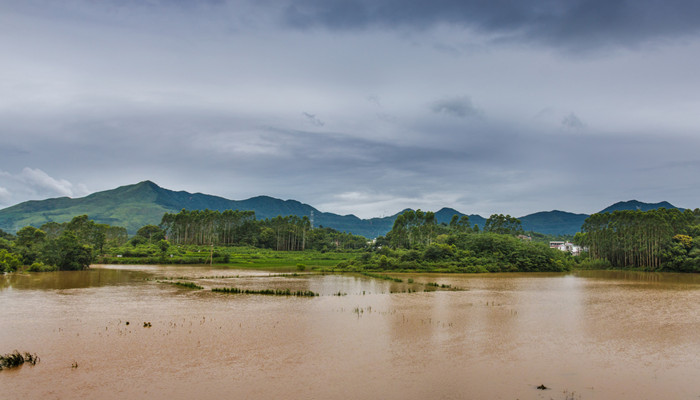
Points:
x=117, y=332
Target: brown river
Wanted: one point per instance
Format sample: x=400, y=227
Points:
x=584, y=335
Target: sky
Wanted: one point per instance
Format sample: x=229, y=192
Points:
x=362, y=107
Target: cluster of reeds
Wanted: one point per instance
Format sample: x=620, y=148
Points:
x=267, y=292
x=15, y=359
x=218, y=277
x=384, y=277
x=437, y=285
x=188, y=285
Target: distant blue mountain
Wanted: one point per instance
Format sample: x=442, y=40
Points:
x=553, y=222
x=133, y=206
x=638, y=205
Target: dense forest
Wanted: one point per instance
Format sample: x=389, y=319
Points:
x=233, y=227
x=417, y=242
x=75, y=244
x=662, y=239
x=67, y=246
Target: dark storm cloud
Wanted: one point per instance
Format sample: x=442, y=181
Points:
x=458, y=107
x=573, y=122
x=311, y=118
x=573, y=24
x=343, y=105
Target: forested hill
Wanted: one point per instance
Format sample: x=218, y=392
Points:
x=134, y=206
x=638, y=205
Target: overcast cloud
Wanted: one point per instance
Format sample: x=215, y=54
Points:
x=357, y=106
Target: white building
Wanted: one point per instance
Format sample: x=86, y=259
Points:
x=566, y=246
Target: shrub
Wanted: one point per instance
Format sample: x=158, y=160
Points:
x=41, y=267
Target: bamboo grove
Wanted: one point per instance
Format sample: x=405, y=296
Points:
x=234, y=227
x=640, y=239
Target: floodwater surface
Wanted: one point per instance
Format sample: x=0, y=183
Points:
x=584, y=335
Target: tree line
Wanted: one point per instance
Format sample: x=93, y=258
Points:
x=418, y=242
x=657, y=239
x=413, y=229
x=65, y=246
x=234, y=227
x=75, y=244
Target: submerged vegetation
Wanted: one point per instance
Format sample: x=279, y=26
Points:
x=188, y=285
x=384, y=277
x=267, y=292
x=15, y=359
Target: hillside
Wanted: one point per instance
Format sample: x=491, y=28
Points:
x=134, y=206
x=638, y=205
x=553, y=222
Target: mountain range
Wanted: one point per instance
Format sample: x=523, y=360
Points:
x=134, y=206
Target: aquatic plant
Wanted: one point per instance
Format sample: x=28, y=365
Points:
x=15, y=359
x=188, y=285
x=437, y=285
x=267, y=292
x=384, y=277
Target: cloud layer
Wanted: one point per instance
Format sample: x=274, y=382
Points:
x=364, y=107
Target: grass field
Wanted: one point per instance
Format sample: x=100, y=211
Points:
x=234, y=257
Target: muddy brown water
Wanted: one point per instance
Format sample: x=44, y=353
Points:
x=584, y=335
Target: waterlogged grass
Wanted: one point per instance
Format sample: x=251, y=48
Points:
x=437, y=285
x=188, y=285
x=384, y=277
x=15, y=359
x=266, y=292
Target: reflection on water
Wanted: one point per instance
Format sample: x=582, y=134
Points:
x=71, y=279
x=586, y=335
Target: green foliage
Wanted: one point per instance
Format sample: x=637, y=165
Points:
x=39, y=266
x=652, y=240
x=68, y=254
x=437, y=252
x=5, y=244
x=503, y=224
x=467, y=252
x=413, y=228
x=6, y=236
x=9, y=262
x=138, y=240
x=234, y=227
x=29, y=243
x=151, y=233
